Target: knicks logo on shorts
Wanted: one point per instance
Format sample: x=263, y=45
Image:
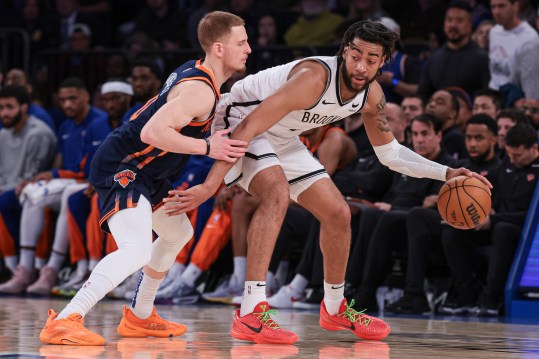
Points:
x=125, y=177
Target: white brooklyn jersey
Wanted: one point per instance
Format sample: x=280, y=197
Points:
x=248, y=93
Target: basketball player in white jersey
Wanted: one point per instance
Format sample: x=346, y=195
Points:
x=270, y=109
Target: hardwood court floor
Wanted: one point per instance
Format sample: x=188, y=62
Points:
x=21, y=320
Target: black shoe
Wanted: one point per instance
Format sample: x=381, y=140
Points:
x=410, y=303
x=459, y=304
x=490, y=304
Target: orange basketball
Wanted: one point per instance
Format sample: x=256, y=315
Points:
x=464, y=202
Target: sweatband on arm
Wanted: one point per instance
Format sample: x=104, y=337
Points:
x=401, y=159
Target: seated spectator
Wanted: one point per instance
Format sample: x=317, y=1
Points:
x=412, y=106
x=80, y=37
x=18, y=77
x=501, y=230
x=446, y=107
x=400, y=77
x=74, y=99
x=424, y=225
x=146, y=81
x=506, y=119
x=316, y=26
x=116, y=99
x=481, y=34
x=268, y=35
x=27, y=147
x=487, y=101
x=465, y=105
x=529, y=107
x=171, y=33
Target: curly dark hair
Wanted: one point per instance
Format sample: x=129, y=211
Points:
x=372, y=32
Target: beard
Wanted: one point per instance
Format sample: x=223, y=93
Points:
x=348, y=81
x=481, y=158
x=14, y=121
x=456, y=40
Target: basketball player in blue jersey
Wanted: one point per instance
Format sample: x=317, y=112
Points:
x=129, y=172
x=269, y=109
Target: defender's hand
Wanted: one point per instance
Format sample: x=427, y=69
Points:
x=223, y=148
x=186, y=200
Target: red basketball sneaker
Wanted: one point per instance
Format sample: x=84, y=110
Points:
x=258, y=327
x=362, y=325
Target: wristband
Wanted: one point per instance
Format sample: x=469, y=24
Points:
x=394, y=82
x=207, y=147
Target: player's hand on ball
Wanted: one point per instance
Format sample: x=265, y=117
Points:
x=186, y=200
x=225, y=149
x=455, y=172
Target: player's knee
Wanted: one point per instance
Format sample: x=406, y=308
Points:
x=342, y=215
x=139, y=251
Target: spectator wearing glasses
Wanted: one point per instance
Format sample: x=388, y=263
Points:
x=530, y=107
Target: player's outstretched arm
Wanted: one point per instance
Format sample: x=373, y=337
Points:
x=395, y=156
x=187, y=101
x=304, y=87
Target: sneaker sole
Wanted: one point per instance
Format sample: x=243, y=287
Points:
x=336, y=327
x=127, y=332
x=68, y=341
x=259, y=339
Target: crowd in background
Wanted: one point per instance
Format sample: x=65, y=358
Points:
x=461, y=90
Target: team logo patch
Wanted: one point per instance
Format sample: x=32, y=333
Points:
x=530, y=177
x=125, y=177
x=170, y=80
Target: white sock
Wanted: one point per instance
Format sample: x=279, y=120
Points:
x=11, y=263
x=82, y=267
x=191, y=274
x=176, y=269
x=91, y=292
x=253, y=293
x=39, y=263
x=299, y=283
x=56, y=260
x=333, y=297
x=240, y=266
x=142, y=305
x=28, y=258
x=92, y=264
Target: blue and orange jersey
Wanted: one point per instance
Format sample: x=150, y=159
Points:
x=125, y=148
x=71, y=144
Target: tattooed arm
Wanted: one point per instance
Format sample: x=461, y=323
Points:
x=395, y=156
x=374, y=117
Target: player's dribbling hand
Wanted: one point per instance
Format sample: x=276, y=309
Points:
x=455, y=172
x=183, y=201
x=225, y=149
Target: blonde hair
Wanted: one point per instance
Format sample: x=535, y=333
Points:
x=215, y=26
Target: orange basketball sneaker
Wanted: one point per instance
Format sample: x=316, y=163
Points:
x=154, y=326
x=362, y=325
x=68, y=331
x=258, y=327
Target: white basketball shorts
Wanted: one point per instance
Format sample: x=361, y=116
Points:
x=300, y=167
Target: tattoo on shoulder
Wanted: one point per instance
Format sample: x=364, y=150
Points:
x=383, y=125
